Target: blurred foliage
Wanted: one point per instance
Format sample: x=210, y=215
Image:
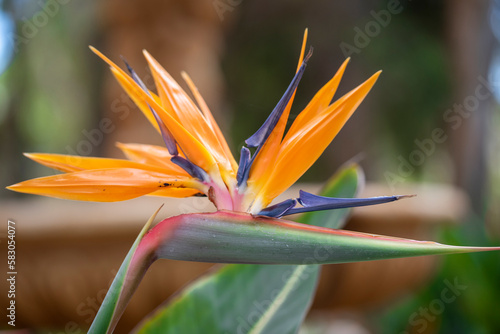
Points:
x=259, y=69
x=415, y=87
x=48, y=86
x=407, y=103
x=475, y=309
x=492, y=209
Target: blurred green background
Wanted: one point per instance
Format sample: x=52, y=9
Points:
x=441, y=68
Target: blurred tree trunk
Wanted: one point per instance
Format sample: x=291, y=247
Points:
x=470, y=43
x=181, y=35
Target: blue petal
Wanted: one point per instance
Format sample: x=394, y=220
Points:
x=260, y=137
x=169, y=140
x=244, y=164
x=312, y=202
x=135, y=76
x=190, y=168
x=279, y=209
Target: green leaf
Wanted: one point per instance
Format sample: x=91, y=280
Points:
x=253, y=298
x=234, y=237
x=238, y=299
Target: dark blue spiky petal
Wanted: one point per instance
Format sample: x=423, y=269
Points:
x=169, y=140
x=134, y=76
x=278, y=210
x=260, y=137
x=245, y=159
x=190, y=168
x=311, y=202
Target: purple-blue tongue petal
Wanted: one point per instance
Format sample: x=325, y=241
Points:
x=279, y=209
x=134, y=76
x=311, y=202
x=169, y=140
x=260, y=137
x=167, y=136
x=190, y=168
x=245, y=160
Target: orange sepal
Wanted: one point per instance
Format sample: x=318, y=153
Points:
x=303, y=147
x=194, y=150
x=176, y=192
x=321, y=100
x=140, y=104
x=149, y=154
x=75, y=163
x=210, y=120
x=102, y=185
x=182, y=108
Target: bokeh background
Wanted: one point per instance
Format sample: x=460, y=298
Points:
x=432, y=119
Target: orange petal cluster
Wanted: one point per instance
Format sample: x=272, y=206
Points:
x=280, y=162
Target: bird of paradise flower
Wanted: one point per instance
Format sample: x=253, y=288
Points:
x=197, y=159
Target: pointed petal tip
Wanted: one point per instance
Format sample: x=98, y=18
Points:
x=304, y=38
x=97, y=52
x=345, y=63
x=152, y=61
x=147, y=54
x=304, y=41
x=37, y=156
x=153, y=217
x=342, y=67
x=41, y=158
x=19, y=188
x=308, y=55
x=355, y=160
x=405, y=196
x=129, y=68
x=187, y=79
x=120, y=145
x=370, y=81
